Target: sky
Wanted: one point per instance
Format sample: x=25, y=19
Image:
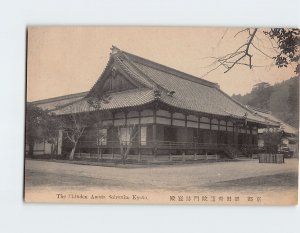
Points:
x=68, y=60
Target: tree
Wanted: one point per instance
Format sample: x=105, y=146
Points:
x=126, y=135
x=284, y=43
x=272, y=140
x=261, y=95
x=293, y=102
x=74, y=123
x=281, y=99
x=288, y=42
x=34, y=124
x=51, y=127
x=96, y=102
x=41, y=125
x=81, y=115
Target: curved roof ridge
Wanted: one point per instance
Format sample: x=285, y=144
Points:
x=131, y=73
x=102, y=74
x=143, y=74
x=170, y=70
x=272, y=115
x=259, y=109
x=61, y=97
x=245, y=107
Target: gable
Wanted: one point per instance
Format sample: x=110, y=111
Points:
x=115, y=78
x=116, y=83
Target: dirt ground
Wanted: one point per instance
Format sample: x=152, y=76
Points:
x=243, y=176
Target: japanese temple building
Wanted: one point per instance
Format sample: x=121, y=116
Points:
x=174, y=112
x=289, y=136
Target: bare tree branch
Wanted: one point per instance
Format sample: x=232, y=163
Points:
x=230, y=60
x=246, y=29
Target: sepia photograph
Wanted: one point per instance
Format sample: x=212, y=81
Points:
x=162, y=115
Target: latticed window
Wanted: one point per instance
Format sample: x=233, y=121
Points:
x=126, y=133
x=143, y=135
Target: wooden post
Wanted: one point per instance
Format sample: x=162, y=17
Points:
x=139, y=138
x=44, y=152
x=113, y=141
x=170, y=151
x=233, y=132
x=218, y=133
x=198, y=135
x=112, y=132
x=154, y=140
x=185, y=133
x=195, y=151
x=154, y=133
x=210, y=132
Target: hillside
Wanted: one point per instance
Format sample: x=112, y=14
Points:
x=282, y=99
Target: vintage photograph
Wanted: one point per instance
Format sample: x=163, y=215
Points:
x=162, y=115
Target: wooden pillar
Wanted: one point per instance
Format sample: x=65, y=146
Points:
x=130, y=139
x=218, y=132
x=210, y=129
x=139, y=138
x=154, y=136
x=59, y=142
x=113, y=141
x=170, y=148
x=125, y=116
x=198, y=134
x=233, y=133
x=227, y=134
x=44, y=152
x=236, y=135
x=185, y=134
x=246, y=134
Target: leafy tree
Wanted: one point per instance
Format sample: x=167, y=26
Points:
x=281, y=99
x=293, y=102
x=40, y=126
x=262, y=92
x=34, y=122
x=272, y=140
x=51, y=127
x=288, y=42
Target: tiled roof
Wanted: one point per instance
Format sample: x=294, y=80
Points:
x=193, y=93
x=53, y=103
x=135, y=97
x=135, y=73
x=176, y=89
x=268, y=116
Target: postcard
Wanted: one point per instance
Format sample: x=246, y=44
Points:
x=162, y=115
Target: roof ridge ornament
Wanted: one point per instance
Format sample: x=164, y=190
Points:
x=114, y=50
x=157, y=93
x=171, y=93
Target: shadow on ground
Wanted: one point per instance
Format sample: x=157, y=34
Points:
x=258, y=183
